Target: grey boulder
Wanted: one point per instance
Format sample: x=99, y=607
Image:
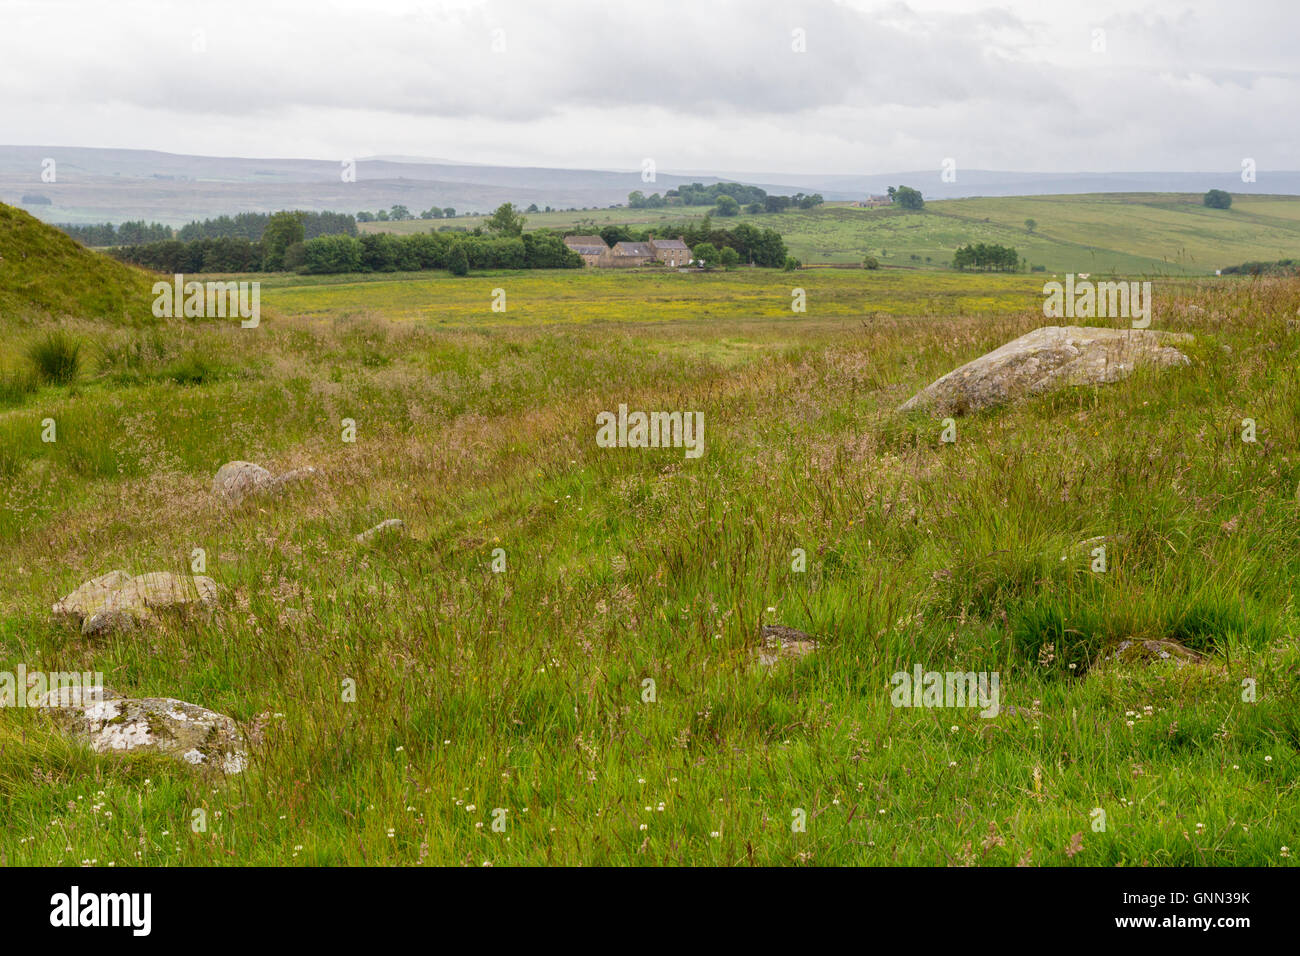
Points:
x=111, y=723
x=117, y=601
x=1045, y=359
x=237, y=480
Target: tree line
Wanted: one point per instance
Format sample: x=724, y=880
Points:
x=284, y=247
x=251, y=225
x=245, y=225
x=400, y=213
x=123, y=234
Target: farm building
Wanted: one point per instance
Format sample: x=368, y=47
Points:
x=671, y=252
x=631, y=254
x=591, y=248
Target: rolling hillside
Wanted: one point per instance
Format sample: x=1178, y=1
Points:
x=1131, y=233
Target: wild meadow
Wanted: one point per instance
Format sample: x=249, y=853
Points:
x=558, y=663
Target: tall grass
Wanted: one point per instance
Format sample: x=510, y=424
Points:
x=524, y=690
x=55, y=357
x=16, y=385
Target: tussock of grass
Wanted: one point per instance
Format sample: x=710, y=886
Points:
x=55, y=357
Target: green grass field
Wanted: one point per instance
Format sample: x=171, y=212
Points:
x=1165, y=234
x=525, y=691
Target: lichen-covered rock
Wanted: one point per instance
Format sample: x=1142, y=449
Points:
x=392, y=526
x=1045, y=359
x=90, y=597
x=1150, y=651
x=237, y=480
x=783, y=643
x=110, y=723
x=117, y=601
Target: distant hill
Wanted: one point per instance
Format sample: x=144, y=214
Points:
x=1125, y=233
x=44, y=273
x=115, y=185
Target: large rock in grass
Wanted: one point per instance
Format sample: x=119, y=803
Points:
x=111, y=723
x=237, y=480
x=1151, y=652
x=117, y=601
x=781, y=643
x=90, y=597
x=1045, y=359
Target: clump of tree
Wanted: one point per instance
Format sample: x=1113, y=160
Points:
x=905, y=197
x=988, y=257
x=639, y=200
x=698, y=194
x=1217, y=199
x=721, y=196
x=871, y=262
x=797, y=201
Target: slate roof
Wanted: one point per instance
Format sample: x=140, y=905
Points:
x=633, y=249
x=591, y=245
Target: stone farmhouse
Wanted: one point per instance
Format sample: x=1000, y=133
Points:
x=673, y=253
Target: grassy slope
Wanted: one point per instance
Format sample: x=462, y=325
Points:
x=1126, y=233
x=44, y=273
x=523, y=691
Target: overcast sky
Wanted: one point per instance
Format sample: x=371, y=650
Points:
x=695, y=85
